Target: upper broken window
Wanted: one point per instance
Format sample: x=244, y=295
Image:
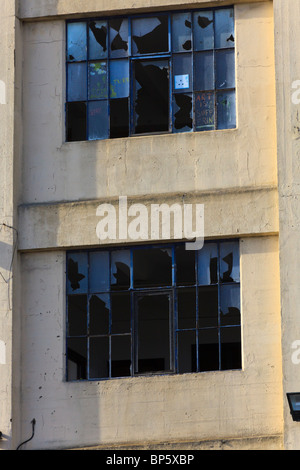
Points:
x=156, y=73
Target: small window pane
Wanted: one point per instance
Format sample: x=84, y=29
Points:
x=182, y=32
x=99, y=314
x=226, y=110
x=186, y=305
x=121, y=312
x=77, y=273
x=77, y=315
x=208, y=264
x=204, y=71
x=99, y=358
x=99, y=271
x=98, y=120
x=183, y=112
x=77, y=87
x=120, y=269
x=76, y=42
x=225, y=69
x=203, y=30
x=119, y=118
x=204, y=111
x=77, y=358
x=97, y=39
x=152, y=267
x=229, y=262
x=119, y=78
x=231, y=354
x=97, y=80
x=207, y=306
x=208, y=350
x=230, y=305
x=76, y=122
x=150, y=35
x=186, y=352
x=224, y=28
x=182, y=70
x=185, y=264
x=118, y=36
x=121, y=356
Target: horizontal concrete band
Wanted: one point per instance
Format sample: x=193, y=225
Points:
x=31, y=9
x=234, y=212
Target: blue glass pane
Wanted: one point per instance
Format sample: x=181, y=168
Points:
x=204, y=71
x=76, y=41
x=118, y=37
x=150, y=35
x=119, y=78
x=229, y=262
x=225, y=69
x=230, y=304
x=208, y=264
x=183, y=112
x=204, y=111
x=76, y=90
x=120, y=269
x=182, y=32
x=226, y=110
x=77, y=273
x=99, y=271
x=97, y=80
x=224, y=28
x=203, y=30
x=97, y=39
x=182, y=71
x=98, y=120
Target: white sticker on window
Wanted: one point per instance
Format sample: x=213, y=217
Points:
x=182, y=81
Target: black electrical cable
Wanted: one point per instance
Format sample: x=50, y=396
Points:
x=25, y=442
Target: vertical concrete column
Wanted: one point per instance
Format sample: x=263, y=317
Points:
x=8, y=222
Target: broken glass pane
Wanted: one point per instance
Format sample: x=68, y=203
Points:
x=203, y=30
x=204, y=71
x=97, y=80
x=99, y=314
x=224, y=28
x=229, y=262
x=99, y=358
x=226, y=110
x=77, y=358
x=98, y=120
x=208, y=264
x=121, y=312
x=76, y=42
x=119, y=118
x=76, y=121
x=230, y=305
x=186, y=351
x=231, y=354
x=181, y=32
x=183, y=112
x=118, y=37
x=208, y=349
x=204, y=111
x=77, y=315
x=120, y=269
x=150, y=35
x=153, y=333
x=97, y=40
x=207, y=306
x=119, y=78
x=225, y=69
x=186, y=305
x=185, y=264
x=152, y=267
x=120, y=356
x=182, y=70
x=99, y=271
x=77, y=89
x=77, y=273
x=151, y=96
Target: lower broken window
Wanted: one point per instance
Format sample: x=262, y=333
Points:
x=156, y=309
